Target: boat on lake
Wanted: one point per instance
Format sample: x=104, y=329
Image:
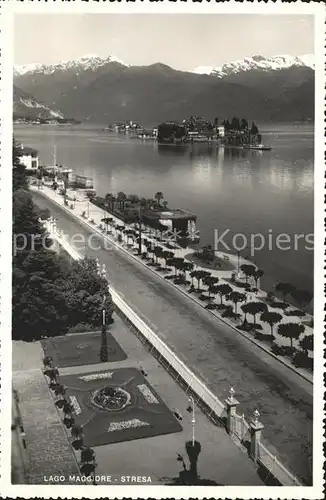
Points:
x=257, y=147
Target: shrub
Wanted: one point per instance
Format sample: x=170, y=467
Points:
x=92, y=221
x=283, y=350
x=169, y=277
x=71, y=206
x=211, y=306
x=279, y=305
x=82, y=327
x=230, y=314
x=296, y=313
x=263, y=337
x=84, y=214
x=65, y=203
x=302, y=360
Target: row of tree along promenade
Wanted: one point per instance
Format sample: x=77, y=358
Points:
x=205, y=276
x=248, y=434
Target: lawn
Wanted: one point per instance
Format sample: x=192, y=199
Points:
x=217, y=263
x=139, y=414
x=81, y=349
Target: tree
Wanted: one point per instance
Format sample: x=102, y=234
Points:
x=210, y=282
x=258, y=273
x=235, y=123
x=254, y=308
x=254, y=129
x=193, y=450
x=38, y=304
x=83, y=291
x=244, y=124
x=290, y=331
x=307, y=343
x=77, y=434
x=248, y=270
x=236, y=297
x=207, y=253
x=223, y=290
x=143, y=202
x=167, y=255
x=104, y=355
x=285, y=289
x=133, y=198
x=109, y=200
x=158, y=197
x=27, y=230
x=200, y=275
x=19, y=177
x=271, y=318
x=121, y=198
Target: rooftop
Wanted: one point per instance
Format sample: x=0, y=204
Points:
x=26, y=151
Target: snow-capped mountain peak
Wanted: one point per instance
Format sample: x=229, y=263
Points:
x=86, y=62
x=258, y=62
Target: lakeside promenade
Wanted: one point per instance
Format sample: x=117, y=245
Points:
x=213, y=350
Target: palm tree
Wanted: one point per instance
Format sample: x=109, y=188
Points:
x=236, y=297
x=223, y=290
x=165, y=205
x=307, y=343
x=290, y=330
x=121, y=198
x=158, y=197
x=271, y=318
x=254, y=308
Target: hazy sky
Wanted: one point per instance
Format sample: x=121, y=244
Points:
x=182, y=41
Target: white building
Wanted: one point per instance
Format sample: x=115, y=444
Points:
x=28, y=157
x=221, y=131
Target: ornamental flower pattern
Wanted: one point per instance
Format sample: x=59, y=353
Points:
x=148, y=395
x=127, y=424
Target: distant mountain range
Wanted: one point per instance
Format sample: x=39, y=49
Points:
x=106, y=90
x=258, y=63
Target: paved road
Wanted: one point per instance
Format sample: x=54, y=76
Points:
x=213, y=350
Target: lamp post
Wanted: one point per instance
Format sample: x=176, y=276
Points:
x=88, y=209
x=238, y=252
x=193, y=420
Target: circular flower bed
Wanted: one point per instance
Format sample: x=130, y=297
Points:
x=110, y=398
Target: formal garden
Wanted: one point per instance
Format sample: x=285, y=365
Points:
x=109, y=406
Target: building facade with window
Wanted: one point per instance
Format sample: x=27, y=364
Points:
x=28, y=157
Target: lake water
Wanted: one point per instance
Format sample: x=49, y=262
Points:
x=251, y=192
